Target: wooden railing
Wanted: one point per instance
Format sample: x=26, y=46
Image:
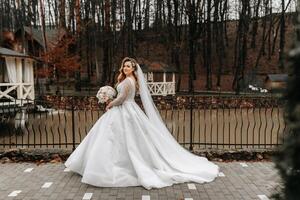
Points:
x=161, y=88
x=13, y=91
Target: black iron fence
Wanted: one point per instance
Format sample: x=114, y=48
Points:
x=197, y=122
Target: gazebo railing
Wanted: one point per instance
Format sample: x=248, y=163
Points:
x=13, y=91
x=161, y=88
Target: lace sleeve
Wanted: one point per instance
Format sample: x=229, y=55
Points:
x=124, y=91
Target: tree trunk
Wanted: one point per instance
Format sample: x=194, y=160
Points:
x=77, y=16
x=208, y=48
x=42, y=13
x=242, y=37
x=129, y=31
x=255, y=25
x=282, y=36
x=106, y=44
x=147, y=15
x=62, y=14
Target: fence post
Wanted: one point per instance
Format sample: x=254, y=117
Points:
x=73, y=125
x=191, y=123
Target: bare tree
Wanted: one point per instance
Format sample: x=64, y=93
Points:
x=193, y=33
x=242, y=37
x=62, y=13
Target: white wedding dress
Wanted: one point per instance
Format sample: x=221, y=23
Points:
x=124, y=148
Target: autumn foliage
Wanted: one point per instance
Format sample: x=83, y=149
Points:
x=62, y=58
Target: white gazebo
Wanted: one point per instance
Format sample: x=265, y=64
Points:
x=160, y=77
x=16, y=77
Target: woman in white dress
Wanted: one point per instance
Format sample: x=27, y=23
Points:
x=127, y=147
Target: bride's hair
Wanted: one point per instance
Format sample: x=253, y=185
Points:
x=122, y=75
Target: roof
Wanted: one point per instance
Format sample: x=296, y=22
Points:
x=12, y=53
x=52, y=35
x=277, y=77
x=155, y=66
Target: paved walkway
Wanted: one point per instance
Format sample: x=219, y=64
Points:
x=251, y=180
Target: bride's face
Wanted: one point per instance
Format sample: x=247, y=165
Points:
x=128, y=68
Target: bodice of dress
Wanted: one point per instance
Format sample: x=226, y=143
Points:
x=126, y=91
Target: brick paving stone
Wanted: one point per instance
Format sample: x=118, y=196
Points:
x=239, y=183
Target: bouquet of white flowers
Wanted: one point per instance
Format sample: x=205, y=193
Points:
x=105, y=94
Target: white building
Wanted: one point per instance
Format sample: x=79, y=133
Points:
x=16, y=86
x=160, y=77
x=16, y=77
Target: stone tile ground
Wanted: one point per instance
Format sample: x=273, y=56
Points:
x=251, y=180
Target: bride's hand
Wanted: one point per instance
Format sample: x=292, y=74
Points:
x=108, y=106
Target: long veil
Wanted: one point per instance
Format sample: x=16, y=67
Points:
x=147, y=101
x=149, y=106
x=177, y=156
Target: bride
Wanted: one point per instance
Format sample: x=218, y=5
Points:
x=127, y=147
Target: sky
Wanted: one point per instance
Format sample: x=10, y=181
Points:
x=276, y=6
x=233, y=7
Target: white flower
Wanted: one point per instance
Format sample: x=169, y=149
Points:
x=105, y=93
